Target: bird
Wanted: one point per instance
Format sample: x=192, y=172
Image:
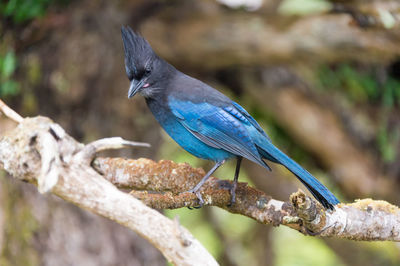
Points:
x=203, y=121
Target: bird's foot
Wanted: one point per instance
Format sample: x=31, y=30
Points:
x=199, y=197
x=232, y=191
x=231, y=187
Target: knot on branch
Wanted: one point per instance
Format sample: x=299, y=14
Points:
x=37, y=150
x=310, y=211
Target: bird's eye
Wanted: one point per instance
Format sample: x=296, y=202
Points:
x=147, y=71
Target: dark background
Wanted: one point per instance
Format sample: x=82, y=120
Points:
x=321, y=77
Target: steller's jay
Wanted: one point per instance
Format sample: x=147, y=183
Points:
x=204, y=121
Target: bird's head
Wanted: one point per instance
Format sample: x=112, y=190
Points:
x=143, y=67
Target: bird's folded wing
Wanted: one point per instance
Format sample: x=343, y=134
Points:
x=236, y=108
x=216, y=127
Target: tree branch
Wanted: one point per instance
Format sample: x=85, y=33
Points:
x=363, y=220
x=10, y=113
x=40, y=152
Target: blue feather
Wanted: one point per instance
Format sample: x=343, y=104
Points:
x=216, y=127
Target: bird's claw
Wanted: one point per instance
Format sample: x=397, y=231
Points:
x=311, y=233
x=199, y=197
x=233, y=199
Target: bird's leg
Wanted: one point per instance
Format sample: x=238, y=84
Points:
x=196, y=189
x=235, y=181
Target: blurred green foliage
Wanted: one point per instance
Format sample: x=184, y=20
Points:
x=19, y=11
x=387, y=142
x=8, y=65
x=363, y=87
x=23, y=10
x=360, y=86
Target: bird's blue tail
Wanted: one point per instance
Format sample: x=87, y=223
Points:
x=320, y=192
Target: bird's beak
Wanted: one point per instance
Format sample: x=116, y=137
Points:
x=136, y=85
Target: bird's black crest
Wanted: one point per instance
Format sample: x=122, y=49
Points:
x=138, y=53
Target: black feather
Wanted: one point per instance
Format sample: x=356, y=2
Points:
x=138, y=54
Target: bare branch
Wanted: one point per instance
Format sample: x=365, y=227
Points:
x=40, y=152
x=10, y=113
x=90, y=150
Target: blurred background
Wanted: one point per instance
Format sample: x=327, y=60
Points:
x=322, y=78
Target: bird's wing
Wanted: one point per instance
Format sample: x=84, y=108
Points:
x=239, y=109
x=257, y=134
x=216, y=127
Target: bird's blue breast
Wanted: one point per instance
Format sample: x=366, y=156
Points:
x=182, y=136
